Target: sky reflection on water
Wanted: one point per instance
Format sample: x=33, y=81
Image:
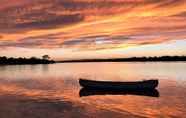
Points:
x=53, y=90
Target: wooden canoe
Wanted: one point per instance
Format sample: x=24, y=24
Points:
x=137, y=85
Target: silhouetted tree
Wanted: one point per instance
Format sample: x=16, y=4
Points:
x=33, y=60
x=46, y=57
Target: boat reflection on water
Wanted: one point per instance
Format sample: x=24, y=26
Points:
x=145, y=92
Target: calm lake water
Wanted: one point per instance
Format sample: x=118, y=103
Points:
x=53, y=91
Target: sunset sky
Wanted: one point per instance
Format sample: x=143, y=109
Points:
x=75, y=29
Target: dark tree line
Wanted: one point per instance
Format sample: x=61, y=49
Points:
x=133, y=59
x=46, y=60
x=33, y=60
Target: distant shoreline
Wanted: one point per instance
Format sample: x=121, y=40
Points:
x=132, y=59
x=28, y=63
x=112, y=61
x=34, y=61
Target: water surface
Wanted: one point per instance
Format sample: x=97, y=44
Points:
x=53, y=90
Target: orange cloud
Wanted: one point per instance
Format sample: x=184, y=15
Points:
x=91, y=24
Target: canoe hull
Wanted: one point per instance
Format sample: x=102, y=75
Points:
x=147, y=84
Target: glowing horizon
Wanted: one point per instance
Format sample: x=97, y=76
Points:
x=73, y=29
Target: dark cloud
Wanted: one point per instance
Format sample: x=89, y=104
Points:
x=30, y=42
x=182, y=14
x=52, y=21
x=95, y=40
x=36, y=15
x=39, y=14
x=168, y=3
x=52, y=40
